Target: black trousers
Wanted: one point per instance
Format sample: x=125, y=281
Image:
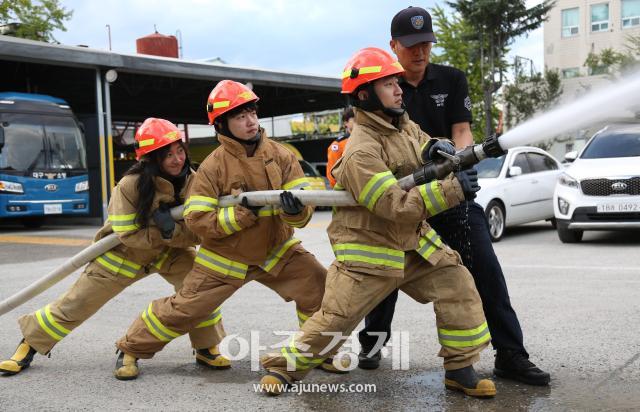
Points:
x=465, y=229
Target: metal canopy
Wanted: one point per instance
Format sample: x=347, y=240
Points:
x=153, y=86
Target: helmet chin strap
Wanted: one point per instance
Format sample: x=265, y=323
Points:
x=373, y=103
x=254, y=140
x=224, y=129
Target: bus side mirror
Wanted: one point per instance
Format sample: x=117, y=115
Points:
x=1, y=137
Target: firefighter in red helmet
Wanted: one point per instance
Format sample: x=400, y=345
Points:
x=386, y=244
x=152, y=242
x=239, y=243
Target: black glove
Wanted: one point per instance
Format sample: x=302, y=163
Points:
x=164, y=221
x=290, y=204
x=254, y=209
x=469, y=181
x=431, y=152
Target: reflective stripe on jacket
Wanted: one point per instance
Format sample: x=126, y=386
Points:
x=140, y=246
x=235, y=234
x=373, y=238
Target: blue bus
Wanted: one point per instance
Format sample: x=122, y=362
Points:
x=43, y=161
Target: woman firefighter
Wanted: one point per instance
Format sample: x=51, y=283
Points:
x=386, y=244
x=152, y=242
x=238, y=243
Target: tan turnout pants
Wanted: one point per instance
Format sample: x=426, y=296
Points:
x=349, y=296
x=301, y=279
x=94, y=288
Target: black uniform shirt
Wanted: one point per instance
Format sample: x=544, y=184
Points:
x=440, y=100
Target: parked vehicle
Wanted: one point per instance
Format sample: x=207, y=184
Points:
x=517, y=188
x=600, y=190
x=43, y=168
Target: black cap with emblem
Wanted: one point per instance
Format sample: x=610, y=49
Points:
x=412, y=26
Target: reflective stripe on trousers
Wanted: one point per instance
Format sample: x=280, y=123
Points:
x=118, y=265
x=215, y=317
x=464, y=338
x=302, y=318
x=49, y=324
x=297, y=360
x=156, y=327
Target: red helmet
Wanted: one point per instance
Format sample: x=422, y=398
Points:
x=226, y=96
x=367, y=65
x=154, y=134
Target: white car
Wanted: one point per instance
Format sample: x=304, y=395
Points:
x=517, y=188
x=600, y=190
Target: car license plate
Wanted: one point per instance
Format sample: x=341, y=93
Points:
x=53, y=209
x=619, y=207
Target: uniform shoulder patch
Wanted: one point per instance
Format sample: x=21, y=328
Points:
x=335, y=147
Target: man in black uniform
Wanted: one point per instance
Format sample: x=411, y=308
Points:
x=437, y=98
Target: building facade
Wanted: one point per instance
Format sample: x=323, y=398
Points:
x=576, y=28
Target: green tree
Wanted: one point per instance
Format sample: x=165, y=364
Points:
x=35, y=20
x=456, y=47
x=531, y=94
x=613, y=62
x=496, y=24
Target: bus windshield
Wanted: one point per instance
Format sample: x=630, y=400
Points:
x=36, y=142
x=24, y=145
x=66, y=145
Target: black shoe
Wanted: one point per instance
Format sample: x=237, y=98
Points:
x=515, y=365
x=367, y=360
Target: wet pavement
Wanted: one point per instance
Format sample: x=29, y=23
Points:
x=579, y=306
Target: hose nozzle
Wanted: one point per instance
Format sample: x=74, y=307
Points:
x=464, y=159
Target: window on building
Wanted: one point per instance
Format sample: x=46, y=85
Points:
x=594, y=71
x=570, y=73
x=570, y=21
x=600, y=17
x=630, y=13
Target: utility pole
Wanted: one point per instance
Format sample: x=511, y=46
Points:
x=109, y=34
x=179, y=36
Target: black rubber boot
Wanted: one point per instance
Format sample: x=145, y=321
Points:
x=20, y=360
x=466, y=380
x=369, y=361
x=516, y=366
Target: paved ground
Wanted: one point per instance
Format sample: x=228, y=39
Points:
x=579, y=306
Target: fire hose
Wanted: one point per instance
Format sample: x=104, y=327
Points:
x=463, y=159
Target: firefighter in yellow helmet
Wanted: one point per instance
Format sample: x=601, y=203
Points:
x=151, y=243
x=386, y=243
x=239, y=243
